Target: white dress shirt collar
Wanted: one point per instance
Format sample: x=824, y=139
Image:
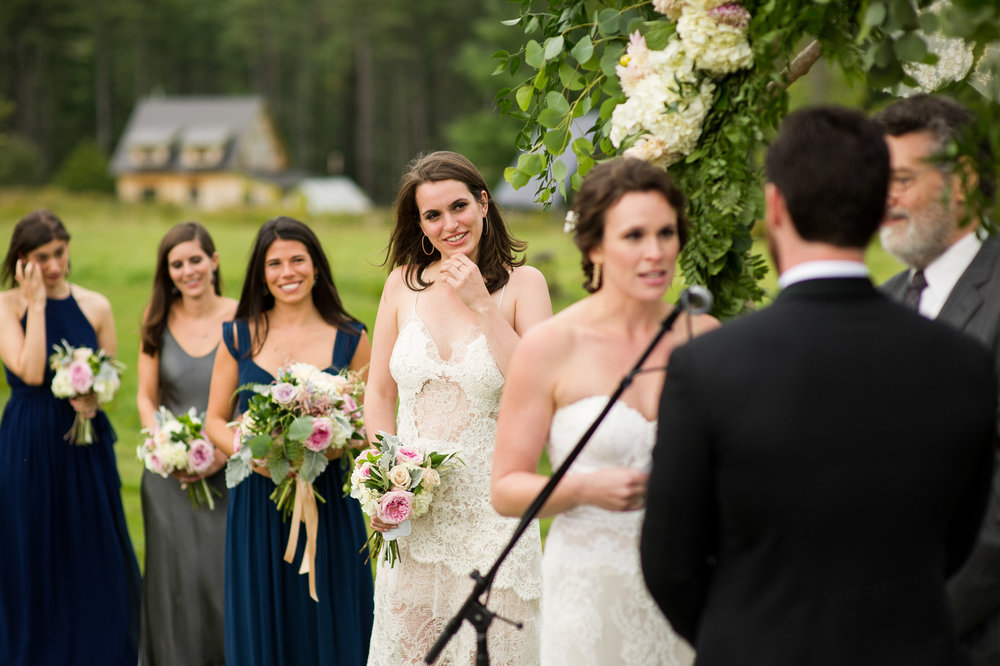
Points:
x=942, y=273
x=812, y=270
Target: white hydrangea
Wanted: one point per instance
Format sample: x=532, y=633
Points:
x=422, y=502
x=61, y=386
x=173, y=455
x=669, y=92
x=717, y=48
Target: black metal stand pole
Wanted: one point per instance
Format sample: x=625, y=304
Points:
x=474, y=610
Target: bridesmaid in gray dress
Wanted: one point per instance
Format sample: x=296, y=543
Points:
x=182, y=588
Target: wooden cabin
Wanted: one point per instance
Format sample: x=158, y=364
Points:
x=205, y=152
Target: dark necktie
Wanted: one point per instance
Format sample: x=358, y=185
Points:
x=916, y=286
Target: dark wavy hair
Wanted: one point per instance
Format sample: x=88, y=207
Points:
x=603, y=187
x=947, y=120
x=256, y=299
x=164, y=291
x=32, y=231
x=497, y=246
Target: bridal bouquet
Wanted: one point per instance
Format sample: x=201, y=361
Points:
x=79, y=372
x=396, y=482
x=176, y=444
x=290, y=427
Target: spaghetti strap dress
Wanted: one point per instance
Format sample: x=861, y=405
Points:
x=270, y=618
x=69, y=580
x=182, y=589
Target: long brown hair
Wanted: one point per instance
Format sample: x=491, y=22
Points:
x=32, y=231
x=164, y=291
x=497, y=246
x=256, y=299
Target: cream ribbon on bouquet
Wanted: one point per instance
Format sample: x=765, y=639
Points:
x=305, y=511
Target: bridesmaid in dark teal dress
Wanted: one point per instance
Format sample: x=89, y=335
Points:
x=289, y=311
x=69, y=581
x=182, y=607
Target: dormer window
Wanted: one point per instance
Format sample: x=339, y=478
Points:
x=149, y=148
x=204, y=147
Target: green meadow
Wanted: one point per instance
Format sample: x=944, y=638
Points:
x=114, y=251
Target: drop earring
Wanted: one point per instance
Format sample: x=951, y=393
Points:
x=595, y=278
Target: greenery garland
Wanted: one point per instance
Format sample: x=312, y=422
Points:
x=574, y=46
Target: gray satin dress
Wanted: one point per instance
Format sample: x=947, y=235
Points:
x=182, y=587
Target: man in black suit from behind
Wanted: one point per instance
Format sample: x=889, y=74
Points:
x=929, y=227
x=821, y=466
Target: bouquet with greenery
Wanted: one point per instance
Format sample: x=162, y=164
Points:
x=176, y=444
x=396, y=482
x=81, y=371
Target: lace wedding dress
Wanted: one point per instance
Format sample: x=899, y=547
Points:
x=448, y=405
x=595, y=606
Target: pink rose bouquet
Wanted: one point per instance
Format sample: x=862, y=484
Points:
x=177, y=444
x=293, y=426
x=396, y=482
x=81, y=371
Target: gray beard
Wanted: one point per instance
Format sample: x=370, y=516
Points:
x=925, y=237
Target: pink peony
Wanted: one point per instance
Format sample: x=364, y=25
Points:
x=408, y=454
x=365, y=470
x=284, y=393
x=81, y=377
x=732, y=14
x=350, y=405
x=200, y=455
x=321, y=435
x=157, y=465
x=395, y=506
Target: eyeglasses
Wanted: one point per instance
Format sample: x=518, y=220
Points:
x=901, y=181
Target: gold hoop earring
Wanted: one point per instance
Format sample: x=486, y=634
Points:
x=422, y=239
x=595, y=277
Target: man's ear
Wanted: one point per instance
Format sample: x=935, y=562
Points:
x=775, y=210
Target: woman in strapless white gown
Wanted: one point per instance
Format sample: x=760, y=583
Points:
x=452, y=311
x=629, y=226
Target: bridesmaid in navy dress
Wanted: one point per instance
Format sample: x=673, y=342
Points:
x=69, y=581
x=289, y=311
x=182, y=588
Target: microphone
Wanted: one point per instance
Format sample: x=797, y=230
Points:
x=696, y=299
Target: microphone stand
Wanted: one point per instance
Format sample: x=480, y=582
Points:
x=695, y=299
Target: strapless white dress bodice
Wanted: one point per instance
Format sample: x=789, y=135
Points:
x=595, y=606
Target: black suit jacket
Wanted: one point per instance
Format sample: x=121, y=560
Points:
x=974, y=592
x=820, y=468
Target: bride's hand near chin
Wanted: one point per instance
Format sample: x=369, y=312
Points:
x=614, y=488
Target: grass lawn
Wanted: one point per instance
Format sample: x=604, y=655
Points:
x=114, y=251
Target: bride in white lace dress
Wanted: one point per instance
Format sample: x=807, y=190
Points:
x=629, y=226
x=452, y=311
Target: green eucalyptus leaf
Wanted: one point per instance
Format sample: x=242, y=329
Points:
x=550, y=118
x=553, y=46
x=608, y=21
x=554, y=100
x=523, y=96
x=533, y=54
x=300, y=429
x=583, y=50
x=911, y=46
x=556, y=140
x=259, y=444
x=531, y=163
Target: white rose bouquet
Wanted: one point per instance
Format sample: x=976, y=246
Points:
x=177, y=444
x=292, y=427
x=81, y=371
x=396, y=482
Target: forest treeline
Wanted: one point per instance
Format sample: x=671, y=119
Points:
x=369, y=84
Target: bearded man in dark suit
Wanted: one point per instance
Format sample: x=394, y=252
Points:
x=953, y=276
x=821, y=466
